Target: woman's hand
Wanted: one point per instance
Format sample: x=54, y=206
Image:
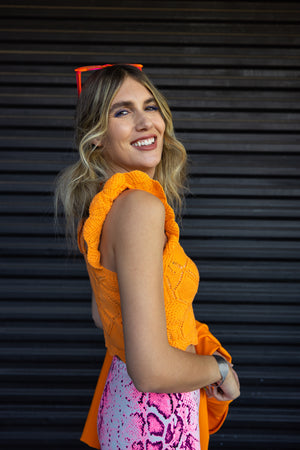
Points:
x=229, y=390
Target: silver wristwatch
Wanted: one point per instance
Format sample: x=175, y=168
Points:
x=223, y=368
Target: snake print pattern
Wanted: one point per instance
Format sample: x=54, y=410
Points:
x=130, y=419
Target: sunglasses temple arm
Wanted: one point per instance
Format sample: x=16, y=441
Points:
x=78, y=80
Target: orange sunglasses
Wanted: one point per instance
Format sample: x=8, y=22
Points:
x=79, y=70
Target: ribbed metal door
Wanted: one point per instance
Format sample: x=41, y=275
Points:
x=230, y=71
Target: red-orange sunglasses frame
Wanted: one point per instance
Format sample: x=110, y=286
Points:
x=79, y=70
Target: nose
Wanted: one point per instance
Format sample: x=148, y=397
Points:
x=143, y=121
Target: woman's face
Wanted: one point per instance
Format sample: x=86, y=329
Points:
x=135, y=134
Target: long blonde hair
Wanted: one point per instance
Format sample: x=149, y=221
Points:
x=80, y=182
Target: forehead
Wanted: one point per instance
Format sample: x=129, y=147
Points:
x=131, y=90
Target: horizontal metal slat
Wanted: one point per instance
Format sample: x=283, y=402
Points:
x=243, y=313
x=46, y=289
x=189, y=121
x=63, y=375
x=59, y=31
x=12, y=95
x=228, y=35
x=36, y=240
x=201, y=164
x=190, y=11
x=224, y=270
x=287, y=208
x=247, y=315
x=209, y=195
x=51, y=76
x=34, y=246
x=259, y=333
x=212, y=292
x=238, y=142
x=264, y=396
x=243, y=292
x=245, y=164
x=219, y=141
x=45, y=333
x=224, y=250
x=235, y=229
x=50, y=438
x=186, y=57
x=47, y=311
x=261, y=440
x=255, y=188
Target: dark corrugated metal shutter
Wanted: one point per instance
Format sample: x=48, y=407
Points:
x=231, y=73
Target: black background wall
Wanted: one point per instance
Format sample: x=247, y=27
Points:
x=231, y=73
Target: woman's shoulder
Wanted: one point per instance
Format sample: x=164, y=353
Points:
x=136, y=204
x=142, y=188
x=132, y=199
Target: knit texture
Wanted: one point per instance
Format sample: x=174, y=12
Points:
x=181, y=276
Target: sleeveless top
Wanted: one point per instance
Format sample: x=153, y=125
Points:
x=181, y=280
x=181, y=277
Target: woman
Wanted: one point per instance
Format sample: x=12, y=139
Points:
x=160, y=370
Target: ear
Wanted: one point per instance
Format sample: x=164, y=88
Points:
x=96, y=142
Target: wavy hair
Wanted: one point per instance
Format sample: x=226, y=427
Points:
x=79, y=183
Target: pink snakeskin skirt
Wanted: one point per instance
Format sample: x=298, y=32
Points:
x=130, y=419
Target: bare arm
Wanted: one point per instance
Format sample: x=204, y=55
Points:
x=138, y=241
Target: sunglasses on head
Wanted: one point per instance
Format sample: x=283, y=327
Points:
x=79, y=70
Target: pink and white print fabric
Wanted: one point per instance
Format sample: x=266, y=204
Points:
x=130, y=419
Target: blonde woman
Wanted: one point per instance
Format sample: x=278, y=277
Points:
x=166, y=382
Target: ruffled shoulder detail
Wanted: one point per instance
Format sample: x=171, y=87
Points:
x=102, y=203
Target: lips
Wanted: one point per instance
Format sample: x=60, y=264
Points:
x=146, y=143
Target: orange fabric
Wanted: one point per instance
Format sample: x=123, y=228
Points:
x=181, y=281
x=90, y=434
x=212, y=412
x=181, y=277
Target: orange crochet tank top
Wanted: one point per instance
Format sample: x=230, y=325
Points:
x=181, y=277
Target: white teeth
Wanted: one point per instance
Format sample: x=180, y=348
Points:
x=144, y=142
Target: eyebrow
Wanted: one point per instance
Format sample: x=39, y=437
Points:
x=129, y=104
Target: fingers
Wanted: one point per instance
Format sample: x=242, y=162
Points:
x=236, y=378
x=209, y=391
x=230, y=389
x=217, y=393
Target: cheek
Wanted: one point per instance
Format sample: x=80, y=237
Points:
x=114, y=137
x=122, y=133
x=160, y=125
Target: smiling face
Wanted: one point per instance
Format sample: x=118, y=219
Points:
x=135, y=133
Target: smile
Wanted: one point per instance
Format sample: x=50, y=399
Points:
x=144, y=142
